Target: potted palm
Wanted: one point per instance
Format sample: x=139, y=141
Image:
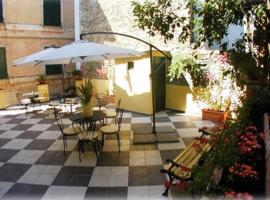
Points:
x=42, y=79
x=86, y=91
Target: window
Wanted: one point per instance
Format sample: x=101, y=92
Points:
x=130, y=65
x=3, y=63
x=52, y=12
x=53, y=69
x=1, y=12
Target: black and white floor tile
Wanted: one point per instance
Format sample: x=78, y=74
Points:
x=33, y=165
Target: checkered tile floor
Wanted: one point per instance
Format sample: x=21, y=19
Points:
x=32, y=163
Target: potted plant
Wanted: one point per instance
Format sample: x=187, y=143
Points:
x=42, y=79
x=86, y=91
x=206, y=87
x=77, y=74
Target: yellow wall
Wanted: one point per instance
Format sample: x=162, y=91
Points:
x=176, y=96
x=133, y=87
x=43, y=91
x=2, y=103
x=100, y=86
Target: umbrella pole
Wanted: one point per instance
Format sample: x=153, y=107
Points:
x=153, y=94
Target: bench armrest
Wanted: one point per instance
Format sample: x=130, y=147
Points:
x=174, y=164
x=204, y=132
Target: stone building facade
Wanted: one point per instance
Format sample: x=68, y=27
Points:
x=117, y=16
x=23, y=31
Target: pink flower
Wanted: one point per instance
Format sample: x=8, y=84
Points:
x=223, y=58
x=239, y=196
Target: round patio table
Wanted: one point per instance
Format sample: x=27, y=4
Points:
x=79, y=118
x=88, y=122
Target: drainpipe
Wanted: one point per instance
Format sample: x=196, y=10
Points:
x=77, y=25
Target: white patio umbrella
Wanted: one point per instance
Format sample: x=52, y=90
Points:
x=33, y=58
x=82, y=51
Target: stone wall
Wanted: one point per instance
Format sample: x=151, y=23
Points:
x=13, y=92
x=117, y=16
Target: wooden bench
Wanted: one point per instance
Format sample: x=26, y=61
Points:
x=181, y=167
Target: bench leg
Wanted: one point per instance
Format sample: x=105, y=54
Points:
x=166, y=192
x=167, y=186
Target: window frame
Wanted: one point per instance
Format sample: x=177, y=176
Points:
x=1, y=12
x=53, y=74
x=4, y=76
x=45, y=23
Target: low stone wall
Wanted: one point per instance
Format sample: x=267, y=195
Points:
x=12, y=92
x=267, y=156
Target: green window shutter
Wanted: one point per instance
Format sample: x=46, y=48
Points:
x=3, y=63
x=52, y=12
x=53, y=69
x=1, y=12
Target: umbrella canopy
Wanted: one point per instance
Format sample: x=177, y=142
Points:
x=82, y=51
x=33, y=58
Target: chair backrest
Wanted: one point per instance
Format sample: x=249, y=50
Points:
x=59, y=120
x=119, y=118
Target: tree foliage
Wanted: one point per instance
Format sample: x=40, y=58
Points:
x=210, y=20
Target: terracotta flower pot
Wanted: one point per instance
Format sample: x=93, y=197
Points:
x=216, y=116
x=77, y=77
x=42, y=82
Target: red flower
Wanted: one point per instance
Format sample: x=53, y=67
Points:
x=101, y=72
x=204, y=140
x=181, y=186
x=239, y=196
x=223, y=58
x=230, y=194
x=243, y=171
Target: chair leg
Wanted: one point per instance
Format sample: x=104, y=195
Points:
x=79, y=149
x=98, y=148
x=95, y=148
x=102, y=142
x=66, y=141
x=64, y=138
x=118, y=141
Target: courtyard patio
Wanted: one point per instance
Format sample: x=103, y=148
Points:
x=33, y=164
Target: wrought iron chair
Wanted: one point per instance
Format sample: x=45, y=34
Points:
x=86, y=133
x=112, y=114
x=113, y=129
x=71, y=130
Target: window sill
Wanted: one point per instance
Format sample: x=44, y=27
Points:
x=53, y=28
